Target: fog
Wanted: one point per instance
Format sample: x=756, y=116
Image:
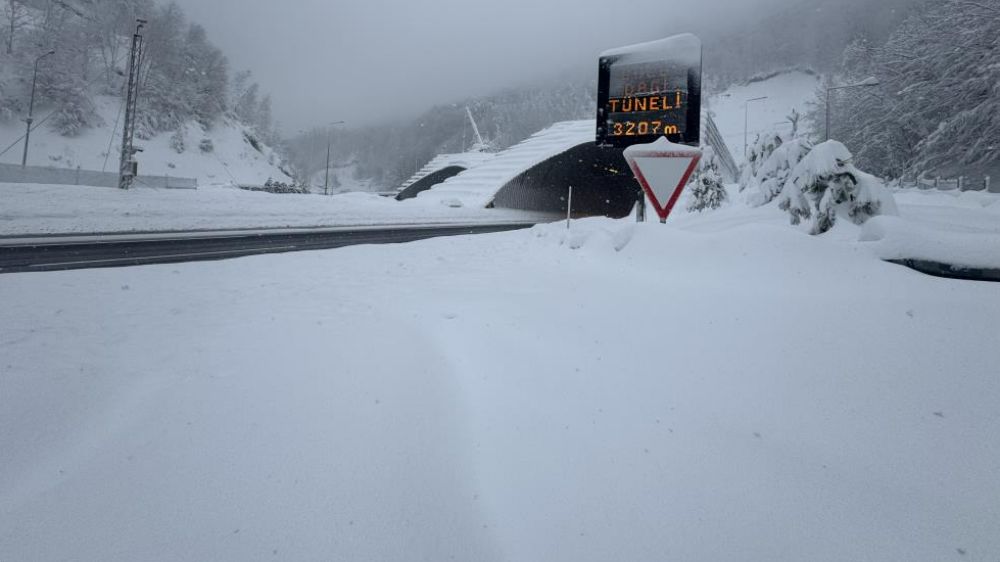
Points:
x=374, y=61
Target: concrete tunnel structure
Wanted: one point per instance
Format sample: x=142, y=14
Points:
x=535, y=175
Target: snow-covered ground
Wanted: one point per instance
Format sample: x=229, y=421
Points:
x=46, y=209
x=721, y=388
x=955, y=227
x=232, y=161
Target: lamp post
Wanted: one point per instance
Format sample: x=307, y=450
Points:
x=326, y=180
x=866, y=83
x=31, y=108
x=746, y=122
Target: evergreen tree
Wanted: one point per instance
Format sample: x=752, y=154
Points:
x=767, y=181
x=938, y=103
x=707, y=190
x=757, y=153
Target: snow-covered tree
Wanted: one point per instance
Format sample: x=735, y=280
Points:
x=16, y=14
x=938, y=103
x=768, y=179
x=178, y=140
x=825, y=185
x=757, y=153
x=707, y=190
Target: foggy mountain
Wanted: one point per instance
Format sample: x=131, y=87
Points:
x=808, y=34
x=187, y=79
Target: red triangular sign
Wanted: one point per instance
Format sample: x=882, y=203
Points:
x=662, y=169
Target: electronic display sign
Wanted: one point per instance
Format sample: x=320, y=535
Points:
x=650, y=91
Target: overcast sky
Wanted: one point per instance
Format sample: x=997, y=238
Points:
x=376, y=60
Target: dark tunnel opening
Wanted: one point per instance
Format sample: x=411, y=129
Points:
x=428, y=181
x=602, y=184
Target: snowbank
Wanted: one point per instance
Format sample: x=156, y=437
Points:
x=963, y=233
x=47, y=209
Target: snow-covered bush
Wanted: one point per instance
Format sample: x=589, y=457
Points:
x=768, y=174
x=707, y=189
x=206, y=146
x=825, y=185
x=758, y=153
x=75, y=114
x=178, y=140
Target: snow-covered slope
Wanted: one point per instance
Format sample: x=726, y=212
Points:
x=784, y=92
x=232, y=160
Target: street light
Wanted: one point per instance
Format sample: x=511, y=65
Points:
x=866, y=83
x=746, y=122
x=326, y=181
x=31, y=108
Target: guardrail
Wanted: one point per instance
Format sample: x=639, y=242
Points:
x=960, y=183
x=12, y=173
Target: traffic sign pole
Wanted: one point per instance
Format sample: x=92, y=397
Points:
x=662, y=169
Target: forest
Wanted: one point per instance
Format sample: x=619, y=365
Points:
x=183, y=76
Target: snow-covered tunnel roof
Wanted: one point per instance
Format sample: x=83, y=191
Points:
x=476, y=186
x=461, y=159
x=480, y=182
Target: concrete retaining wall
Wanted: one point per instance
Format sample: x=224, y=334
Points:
x=12, y=173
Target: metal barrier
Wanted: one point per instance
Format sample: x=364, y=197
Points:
x=12, y=173
x=712, y=137
x=961, y=183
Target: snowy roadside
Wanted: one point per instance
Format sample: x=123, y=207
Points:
x=958, y=228
x=723, y=388
x=51, y=209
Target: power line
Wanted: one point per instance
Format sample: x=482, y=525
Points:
x=40, y=122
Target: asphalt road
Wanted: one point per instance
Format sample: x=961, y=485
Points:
x=56, y=253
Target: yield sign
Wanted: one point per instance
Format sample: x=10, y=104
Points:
x=662, y=169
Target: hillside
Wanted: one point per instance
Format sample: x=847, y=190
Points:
x=232, y=160
x=783, y=93
x=71, y=57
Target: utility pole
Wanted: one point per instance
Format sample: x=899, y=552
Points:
x=31, y=109
x=128, y=167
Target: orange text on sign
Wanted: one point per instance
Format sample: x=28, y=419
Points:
x=642, y=128
x=648, y=103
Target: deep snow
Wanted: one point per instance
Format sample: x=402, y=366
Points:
x=721, y=388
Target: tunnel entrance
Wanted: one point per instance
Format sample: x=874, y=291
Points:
x=602, y=184
x=428, y=181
